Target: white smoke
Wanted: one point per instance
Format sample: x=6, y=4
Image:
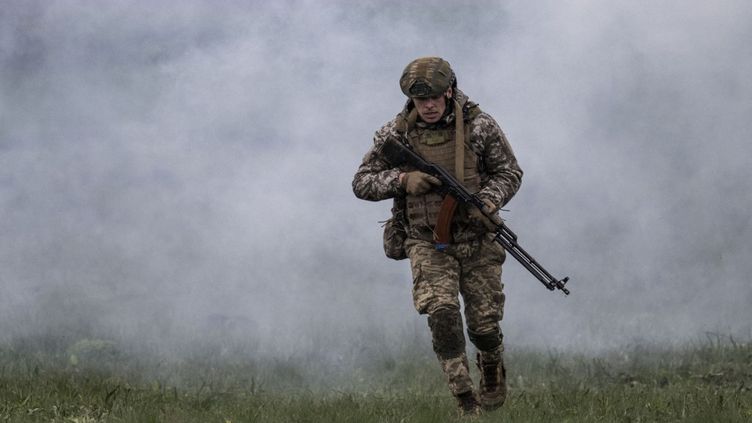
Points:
x=165, y=168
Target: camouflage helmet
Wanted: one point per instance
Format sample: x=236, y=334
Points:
x=427, y=77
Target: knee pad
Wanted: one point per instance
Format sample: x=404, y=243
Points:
x=446, y=331
x=485, y=341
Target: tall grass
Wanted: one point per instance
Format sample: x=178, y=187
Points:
x=92, y=380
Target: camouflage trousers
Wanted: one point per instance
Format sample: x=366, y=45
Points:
x=471, y=270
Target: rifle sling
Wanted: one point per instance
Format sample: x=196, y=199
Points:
x=442, y=232
x=459, y=143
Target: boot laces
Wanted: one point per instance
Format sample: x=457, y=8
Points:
x=489, y=372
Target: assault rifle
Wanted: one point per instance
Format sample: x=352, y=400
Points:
x=399, y=154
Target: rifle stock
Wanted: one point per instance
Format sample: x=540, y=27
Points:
x=400, y=154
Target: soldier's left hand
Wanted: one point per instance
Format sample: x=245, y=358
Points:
x=476, y=215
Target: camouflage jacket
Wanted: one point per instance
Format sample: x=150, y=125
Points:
x=376, y=180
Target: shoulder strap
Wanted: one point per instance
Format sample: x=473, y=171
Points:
x=459, y=142
x=406, y=122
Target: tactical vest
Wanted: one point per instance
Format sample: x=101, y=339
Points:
x=437, y=145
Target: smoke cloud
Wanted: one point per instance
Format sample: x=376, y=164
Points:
x=173, y=171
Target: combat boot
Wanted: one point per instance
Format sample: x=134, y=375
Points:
x=468, y=404
x=457, y=372
x=493, y=386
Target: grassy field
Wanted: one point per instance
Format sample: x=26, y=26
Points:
x=93, y=381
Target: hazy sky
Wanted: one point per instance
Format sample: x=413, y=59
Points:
x=162, y=165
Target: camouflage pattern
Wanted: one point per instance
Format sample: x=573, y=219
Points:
x=457, y=373
x=471, y=269
x=377, y=180
x=426, y=77
x=471, y=265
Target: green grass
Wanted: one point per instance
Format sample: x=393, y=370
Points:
x=93, y=381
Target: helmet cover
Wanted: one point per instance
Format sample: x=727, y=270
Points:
x=427, y=77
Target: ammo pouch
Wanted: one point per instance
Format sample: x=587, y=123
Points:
x=395, y=232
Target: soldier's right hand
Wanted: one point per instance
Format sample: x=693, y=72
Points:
x=418, y=183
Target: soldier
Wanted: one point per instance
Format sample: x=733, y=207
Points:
x=440, y=123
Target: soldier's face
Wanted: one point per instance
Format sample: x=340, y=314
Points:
x=431, y=109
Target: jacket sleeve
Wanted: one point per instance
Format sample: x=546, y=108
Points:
x=502, y=175
x=376, y=179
